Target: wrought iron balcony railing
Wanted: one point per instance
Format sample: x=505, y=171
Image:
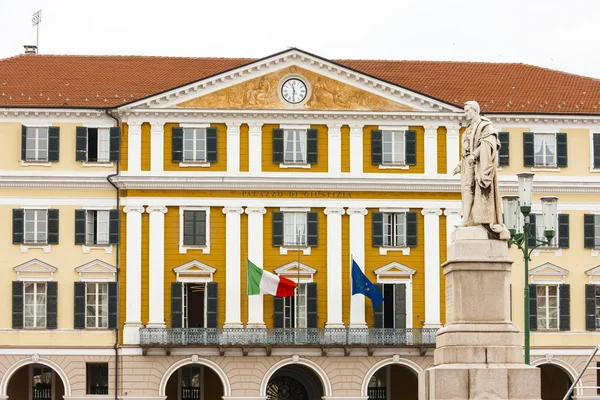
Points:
x=376, y=337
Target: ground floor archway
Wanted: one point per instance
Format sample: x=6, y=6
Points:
x=35, y=382
x=294, y=382
x=194, y=382
x=555, y=382
x=393, y=381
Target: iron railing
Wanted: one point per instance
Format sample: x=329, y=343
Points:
x=156, y=337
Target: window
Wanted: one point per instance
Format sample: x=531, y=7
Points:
x=195, y=305
x=96, y=378
x=595, y=151
x=41, y=382
x=98, y=144
x=96, y=305
x=36, y=144
x=194, y=227
x=378, y=384
x=544, y=149
x=294, y=229
x=294, y=314
x=591, y=231
x=393, y=151
x=34, y=305
x=547, y=306
x=394, y=308
x=194, y=145
x=97, y=227
x=294, y=146
x=191, y=388
x=539, y=232
x=36, y=226
x=394, y=229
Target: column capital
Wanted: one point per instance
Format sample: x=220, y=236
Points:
x=158, y=209
x=157, y=127
x=255, y=128
x=257, y=210
x=355, y=210
x=452, y=211
x=234, y=126
x=134, y=127
x=238, y=210
x=356, y=129
x=135, y=209
x=334, y=210
x=452, y=130
x=431, y=130
x=335, y=127
x=431, y=211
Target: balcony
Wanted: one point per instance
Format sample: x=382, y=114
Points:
x=301, y=337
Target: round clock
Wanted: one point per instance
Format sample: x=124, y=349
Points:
x=294, y=90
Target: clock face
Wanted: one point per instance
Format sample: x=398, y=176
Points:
x=294, y=90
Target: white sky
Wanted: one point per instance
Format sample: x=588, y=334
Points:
x=558, y=34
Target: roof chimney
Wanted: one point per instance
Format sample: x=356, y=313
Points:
x=30, y=49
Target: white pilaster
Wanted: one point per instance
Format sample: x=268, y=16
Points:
x=156, y=289
x=157, y=129
x=255, y=148
x=432, y=267
x=357, y=251
x=232, y=267
x=356, y=149
x=233, y=147
x=452, y=219
x=431, y=150
x=255, y=254
x=452, y=148
x=134, y=147
x=133, y=291
x=334, y=267
x=334, y=158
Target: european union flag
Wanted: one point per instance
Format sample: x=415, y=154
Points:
x=361, y=284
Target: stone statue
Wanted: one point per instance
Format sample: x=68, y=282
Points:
x=481, y=202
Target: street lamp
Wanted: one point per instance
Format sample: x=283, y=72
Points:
x=512, y=206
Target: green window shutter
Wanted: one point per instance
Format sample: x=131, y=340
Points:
x=312, y=220
x=532, y=230
x=533, y=325
x=212, y=305
x=177, y=145
x=504, y=156
x=311, y=305
x=377, y=225
x=80, y=226
x=312, y=146
x=23, y=143
x=278, y=303
x=211, y=145
x=53, y=143
x=588, y=231
x=17, y=305
x=115, y=144
x=590, y=307
x=81, y=143
x=376, y=147
x=51, y=304
x=410, y=147
x=528, y=149
x=411, y=229
x=113, y=303
x=194, y=230
x=113, y=226
x=277, y=228
x=561, y=149
x=201, y=228
x=400, y=306
x=596, y=145
x=278, y=146
x=378, y=313
x=18, y=225
x=564, y=307
x=80, y=305
x=563, y=231
x=176, y=304
x=52, y=226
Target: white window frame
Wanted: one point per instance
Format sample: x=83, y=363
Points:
x=596, y=228
x=97, y=304
x=394, y=273
x=290, y=301
x=38, y=130
x=183, y=249
x=306, y=250
x=539, y=228
x=383, y=250
x=107, y=163
x=35, y=243
x=198, y=135
x=397, y=159
x=30, y=383
x=35, y=304
x=297, y=141
x=545, y=165
x=547, y=309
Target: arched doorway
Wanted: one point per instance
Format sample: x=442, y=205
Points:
x=194, y=382
x=555, y=382
x=393, y=382
x=35, y=381
x=294, y=382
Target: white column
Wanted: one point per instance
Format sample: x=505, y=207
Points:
x=452, y=219
x=255, y=254
x=432, y=267
x=356, y=149
x=157, y=153
x=431, y=150
x=452, y=148
x=133, y=291
x=232, y=267
x=334, y=145
x=255, y=148
x=156, y=289
x=134, y=147
x=334, y=267
x=357, y=251
x=233, y=147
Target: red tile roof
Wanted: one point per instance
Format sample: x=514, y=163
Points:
x=111, y=81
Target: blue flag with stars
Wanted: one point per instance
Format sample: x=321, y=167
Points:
x=361, y=284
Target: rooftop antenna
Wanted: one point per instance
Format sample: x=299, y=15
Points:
x=35, y=21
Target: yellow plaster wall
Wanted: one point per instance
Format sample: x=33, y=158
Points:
x=368, y=167
x=244, y=148
x=441, y=149
x=219, y=166
x=345, y=131
x=124, y=146
x=145, y=155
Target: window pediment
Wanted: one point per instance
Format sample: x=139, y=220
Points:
x=194, y=271
x=96, y=271
x=35, y=270
x=548, y=269
x=394, y=270
x=294, y=269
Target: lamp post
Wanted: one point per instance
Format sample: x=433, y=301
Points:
x=521, y=235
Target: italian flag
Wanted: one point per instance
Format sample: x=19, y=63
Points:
x=265, y=282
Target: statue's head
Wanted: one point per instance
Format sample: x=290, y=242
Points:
x=472, y=110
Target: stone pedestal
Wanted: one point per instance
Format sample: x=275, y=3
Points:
x=478, y=352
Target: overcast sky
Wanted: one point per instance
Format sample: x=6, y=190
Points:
x=558, y=34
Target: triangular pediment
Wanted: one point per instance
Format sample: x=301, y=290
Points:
x=394, y=269
x=257, y=86
x=294, y=269
x=194, y=271
x=35, y=270
x=548, y=269
x=593, y=271
x=96, y=270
